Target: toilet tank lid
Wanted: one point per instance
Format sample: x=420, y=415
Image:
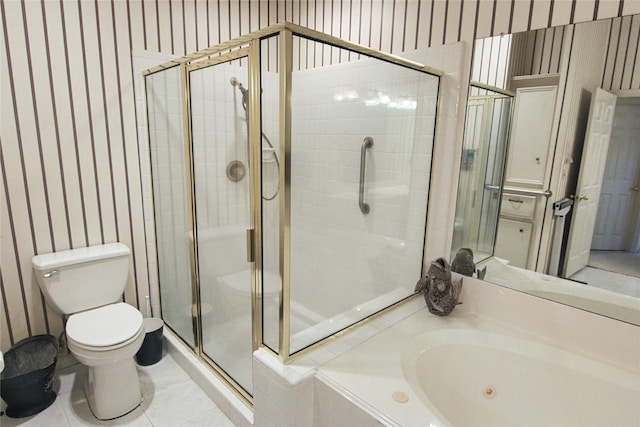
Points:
x=79, y=255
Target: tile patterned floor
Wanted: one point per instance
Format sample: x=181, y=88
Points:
x=171, y=399
x=614, y=271
x=616, y=261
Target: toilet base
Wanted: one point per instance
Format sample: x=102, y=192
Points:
x=113, y=389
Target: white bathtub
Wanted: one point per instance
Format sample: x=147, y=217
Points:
x=470, y=376
x=469, y=369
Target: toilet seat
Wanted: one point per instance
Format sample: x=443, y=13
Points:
x=105, y=328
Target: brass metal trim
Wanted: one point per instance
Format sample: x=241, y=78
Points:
x=250, y=248
x=286, y=70
x=255, y=191
x=491, y=88
x=190, y=194
x=218, y=49
x=298, y=30
x=235, y=54
x=338, y=42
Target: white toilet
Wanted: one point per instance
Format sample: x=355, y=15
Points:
x=102, y=333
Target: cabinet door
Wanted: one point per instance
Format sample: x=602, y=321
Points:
x=529, y=150
x=513, y=241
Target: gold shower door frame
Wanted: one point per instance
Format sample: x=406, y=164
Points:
x=249, y=46
x=254, y=240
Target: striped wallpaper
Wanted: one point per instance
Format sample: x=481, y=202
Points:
x=622, y=66
x=541, y=51
x=69, y=144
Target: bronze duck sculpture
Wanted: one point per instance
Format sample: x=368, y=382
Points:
x=463, y=264
x=440, y=293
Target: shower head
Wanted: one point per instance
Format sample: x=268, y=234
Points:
x=235, y=82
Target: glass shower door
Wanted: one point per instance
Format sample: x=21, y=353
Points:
x=219, y=104
x=481, y=171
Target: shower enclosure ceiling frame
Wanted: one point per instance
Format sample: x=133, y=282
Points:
x=249, y=47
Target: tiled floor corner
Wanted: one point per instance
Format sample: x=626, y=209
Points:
x=171, y=399
x=614, y=271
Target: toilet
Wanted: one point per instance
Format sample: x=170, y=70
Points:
x=103, y=333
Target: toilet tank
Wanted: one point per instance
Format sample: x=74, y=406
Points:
x=80, y=279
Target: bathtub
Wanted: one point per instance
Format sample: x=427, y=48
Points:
x=495, y=377
x=469, y=369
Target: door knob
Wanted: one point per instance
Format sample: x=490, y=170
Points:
x=583, y=197
x=635, y=188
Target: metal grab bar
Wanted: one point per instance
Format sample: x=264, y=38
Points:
x=366, y=143
x=545, y=193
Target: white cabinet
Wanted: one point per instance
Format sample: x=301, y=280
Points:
x=527, y=175
x=530, y=156
x=513, y=241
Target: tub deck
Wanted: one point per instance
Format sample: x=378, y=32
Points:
x=470, y=369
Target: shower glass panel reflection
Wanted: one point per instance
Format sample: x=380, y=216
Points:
x=486, y=137
x=221, y=188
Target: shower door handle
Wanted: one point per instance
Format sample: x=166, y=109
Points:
x=250, y=245
x=366, y=143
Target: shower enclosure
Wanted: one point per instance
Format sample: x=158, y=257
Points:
x=486, y=137
x=290, y=174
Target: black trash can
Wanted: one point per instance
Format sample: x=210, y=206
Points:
x=151, y=350
x=25, y=383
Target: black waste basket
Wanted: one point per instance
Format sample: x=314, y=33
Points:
x=151, y=350
x=25, y=383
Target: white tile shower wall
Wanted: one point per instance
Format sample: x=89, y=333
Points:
x=219, y=126
x=349, y=257
x=219, y=137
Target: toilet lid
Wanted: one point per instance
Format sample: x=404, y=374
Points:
x=104, y=326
